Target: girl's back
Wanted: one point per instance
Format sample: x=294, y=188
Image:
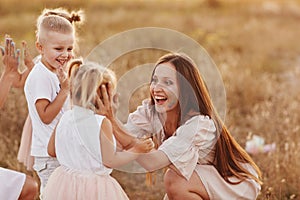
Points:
x=78, y=142
x=81, y=174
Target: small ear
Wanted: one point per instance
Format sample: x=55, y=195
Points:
x=39, y=47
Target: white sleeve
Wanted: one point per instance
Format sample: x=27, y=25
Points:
x=192, y=141
x=139, y=122
x=40, y=88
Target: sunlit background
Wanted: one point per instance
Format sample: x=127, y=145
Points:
x=255, y=45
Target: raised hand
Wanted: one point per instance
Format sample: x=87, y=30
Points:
x=11, y=58
x=63, y=79
x=11, y=62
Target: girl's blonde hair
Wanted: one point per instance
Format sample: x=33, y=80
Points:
x=85, y=80
x=58, y=20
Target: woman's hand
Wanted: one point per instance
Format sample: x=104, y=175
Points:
x=10, y=59
x=10, y=73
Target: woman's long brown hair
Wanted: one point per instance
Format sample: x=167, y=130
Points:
x=194, y=96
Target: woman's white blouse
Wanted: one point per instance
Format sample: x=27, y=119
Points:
x=193, y=142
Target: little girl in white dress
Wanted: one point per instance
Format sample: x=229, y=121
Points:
x=84, y=144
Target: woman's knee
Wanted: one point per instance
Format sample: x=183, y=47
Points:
x=29, y=190
x=173, y=182
x=169, y=178
x=177, y=187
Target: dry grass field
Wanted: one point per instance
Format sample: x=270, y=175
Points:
x=255, y=45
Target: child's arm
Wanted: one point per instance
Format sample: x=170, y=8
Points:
x=154, y=160
x=106, y=107
x=49, y=110
x=124, y=138
x=110, y=157
x=51, y=145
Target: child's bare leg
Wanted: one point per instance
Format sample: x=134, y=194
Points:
x=29, y=190
x=44, y=167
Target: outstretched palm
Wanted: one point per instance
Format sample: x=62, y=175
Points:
x=11, y=58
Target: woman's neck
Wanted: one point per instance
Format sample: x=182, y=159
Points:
x=170, y=121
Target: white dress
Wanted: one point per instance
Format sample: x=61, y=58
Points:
x=82, y=174
x=11, y=184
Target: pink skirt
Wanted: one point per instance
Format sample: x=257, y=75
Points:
x=65, y=184
x=25, y=145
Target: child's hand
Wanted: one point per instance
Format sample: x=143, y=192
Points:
x=115, y=103
x=63, y=80
x=106, y=102
x=143, y=146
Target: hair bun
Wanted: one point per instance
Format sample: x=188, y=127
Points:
x=75, y=17
x=71, y=17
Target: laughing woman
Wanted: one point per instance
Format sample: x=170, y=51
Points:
x=204, y=161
